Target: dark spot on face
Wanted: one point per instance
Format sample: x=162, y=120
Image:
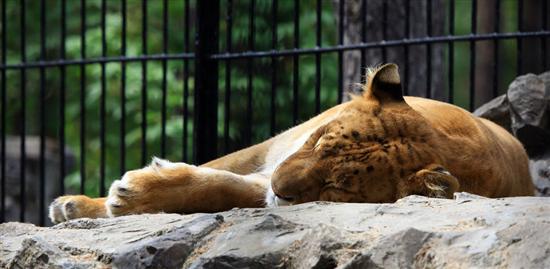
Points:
x=345, y=136
x=370, y=168
x=342, y=127
x=355, y=134
x=410, y=151
x=346, y=183
x=355, y=172
x=423, y=140
x=400, y=159
x=390, y=169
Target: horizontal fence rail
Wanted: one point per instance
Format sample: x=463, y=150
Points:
x=93, y=88
x=378, y=44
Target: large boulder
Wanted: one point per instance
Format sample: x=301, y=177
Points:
x=467, y=232
x=525, y=112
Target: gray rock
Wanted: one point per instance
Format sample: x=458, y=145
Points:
x=540, y=172
x=545, y=77
x=469, y=231
x=526, y=96
x=141, y=241
x=496, y=110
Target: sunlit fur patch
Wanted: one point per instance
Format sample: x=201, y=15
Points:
x=371, y=71
x=271, y=200
x=369, y=74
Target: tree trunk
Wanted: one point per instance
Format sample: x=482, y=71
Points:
x=485, y=59
x=413, y=63
x=531, y=48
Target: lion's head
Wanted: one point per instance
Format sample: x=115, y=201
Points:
x=377, y=149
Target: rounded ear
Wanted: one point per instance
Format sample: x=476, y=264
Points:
x=433, y=181
x=384, y=84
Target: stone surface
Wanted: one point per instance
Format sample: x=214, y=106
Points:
x=545, y=77
x=528, y=104
x=496, y=110
x=469, y=231
x=540, y=172
x=527, y=101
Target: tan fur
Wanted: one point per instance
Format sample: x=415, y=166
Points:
x=375, y=148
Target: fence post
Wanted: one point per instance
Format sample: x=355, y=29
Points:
x=206, y=82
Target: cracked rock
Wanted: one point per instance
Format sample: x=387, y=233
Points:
x=465, y=232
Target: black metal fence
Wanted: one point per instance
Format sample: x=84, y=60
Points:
x=239, y=71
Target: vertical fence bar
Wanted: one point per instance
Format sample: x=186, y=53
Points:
x=363, y=39
x=249, y=63
x=318, y=60
x=122, y=145
x=473, y=56
x=451, y=50
x=82, y=97
x=296, y=63
x=185, y=81
x=544, y=39
x=519, y=60
x=164, y=85
x=62, y=92
x=42, y=79
x=273, y=66
x=144, y=83
x=102, y=114
x=3, y=134
x=206, y=91
x=229, y=48
x=406, y=48
x=429, y=49
x=496, y=49
x=341, y=12
x=385, y=29
x=23, y=131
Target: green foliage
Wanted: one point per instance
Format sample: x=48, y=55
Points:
x=261, y=77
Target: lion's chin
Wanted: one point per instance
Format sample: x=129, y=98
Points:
x=271, y=200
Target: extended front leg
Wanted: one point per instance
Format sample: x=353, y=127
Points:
x=170, y=187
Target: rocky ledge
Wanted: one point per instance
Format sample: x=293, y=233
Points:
x=469, y=231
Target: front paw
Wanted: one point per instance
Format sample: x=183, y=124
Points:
x=124, y=197
x=159, y=187
x=70, y=207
